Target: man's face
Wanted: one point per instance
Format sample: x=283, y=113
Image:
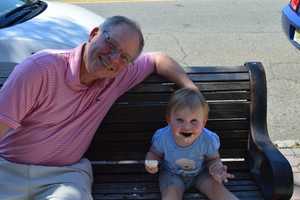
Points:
x=109, y=51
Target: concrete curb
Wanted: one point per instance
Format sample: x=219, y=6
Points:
x=282, y=144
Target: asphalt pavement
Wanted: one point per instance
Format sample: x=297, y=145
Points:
x=293, y=156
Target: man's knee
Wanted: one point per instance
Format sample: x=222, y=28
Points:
x=64, y=192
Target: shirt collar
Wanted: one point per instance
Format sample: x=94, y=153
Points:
x=73, y=72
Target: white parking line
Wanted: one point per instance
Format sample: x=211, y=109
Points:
x=112, y=1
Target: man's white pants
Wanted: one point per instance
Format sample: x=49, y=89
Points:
x=35, y=182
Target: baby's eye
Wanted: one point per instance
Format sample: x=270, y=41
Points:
x=179, y=120
x=194, y=121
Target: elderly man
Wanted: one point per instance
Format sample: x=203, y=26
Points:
x=53, y=102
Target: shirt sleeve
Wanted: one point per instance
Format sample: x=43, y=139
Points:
x=157, y=143
x=19, y=93
x=213, y=144
x=135, y=73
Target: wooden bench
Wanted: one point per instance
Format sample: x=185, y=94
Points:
x=238, y=105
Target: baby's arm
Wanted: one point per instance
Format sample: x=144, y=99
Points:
x=151, y=162
x=217, y=170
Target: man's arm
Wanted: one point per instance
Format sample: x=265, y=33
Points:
x=170, y=69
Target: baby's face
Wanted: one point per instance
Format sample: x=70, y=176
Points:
x=186, y=125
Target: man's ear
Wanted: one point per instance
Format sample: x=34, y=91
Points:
x=93, y=33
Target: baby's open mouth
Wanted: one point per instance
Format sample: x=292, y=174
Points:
x=186, y=134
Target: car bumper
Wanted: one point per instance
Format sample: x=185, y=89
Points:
x=290, y=22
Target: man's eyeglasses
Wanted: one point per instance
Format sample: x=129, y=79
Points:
x=114, y=48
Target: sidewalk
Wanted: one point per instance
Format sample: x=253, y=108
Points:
x=293, y=156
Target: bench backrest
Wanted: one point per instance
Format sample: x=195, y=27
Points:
x=125, y=133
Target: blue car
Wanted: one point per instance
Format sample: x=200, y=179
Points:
x=290, y=19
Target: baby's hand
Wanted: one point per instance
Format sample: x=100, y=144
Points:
x=219, y=172
x=151, y=166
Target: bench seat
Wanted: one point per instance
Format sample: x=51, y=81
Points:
x=130, y=181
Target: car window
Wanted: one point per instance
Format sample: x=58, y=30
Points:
x=13, y=12
x=9, y=5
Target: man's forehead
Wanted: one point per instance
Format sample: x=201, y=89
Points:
x=126, y=37
x=121, y=29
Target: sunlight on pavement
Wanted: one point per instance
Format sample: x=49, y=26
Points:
x=112, y=1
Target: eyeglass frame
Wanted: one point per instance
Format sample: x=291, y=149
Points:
x=114, y=48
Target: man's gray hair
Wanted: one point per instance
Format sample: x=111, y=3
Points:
x=120, y=20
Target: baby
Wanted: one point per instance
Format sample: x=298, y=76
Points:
x=187, y=151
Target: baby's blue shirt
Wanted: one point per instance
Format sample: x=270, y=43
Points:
x=187, y=161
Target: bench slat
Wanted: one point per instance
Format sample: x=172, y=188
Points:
x=164, y=97
x=205, y=86
x=217, y=125
x=156, y=112
x=132, y=146
x=139, y=154
x=146, y=136
x=216, y=69
x=248, y=195
x=211, y=77
x=104, y=168
x=2, y=80
x=141, y=188
x=147, y=178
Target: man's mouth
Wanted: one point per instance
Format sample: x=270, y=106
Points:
x=186, y=134
x=105, y=64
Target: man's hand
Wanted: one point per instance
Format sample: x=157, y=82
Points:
x=171, y=70
x=219, y=172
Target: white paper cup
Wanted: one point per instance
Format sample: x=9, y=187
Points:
x=151, y=163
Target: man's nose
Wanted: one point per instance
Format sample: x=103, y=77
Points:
x=114, y=60
x=115, y=56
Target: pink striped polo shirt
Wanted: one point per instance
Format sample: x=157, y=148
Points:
x=53, y=117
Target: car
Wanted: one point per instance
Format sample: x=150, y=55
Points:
x=290, y=19
x=27, y=26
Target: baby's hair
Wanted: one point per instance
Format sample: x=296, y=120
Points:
x=187, y=98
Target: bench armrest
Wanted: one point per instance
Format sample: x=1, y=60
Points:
x=269, y=167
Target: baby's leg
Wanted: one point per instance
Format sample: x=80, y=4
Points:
x=171, y=186
x=172, y=193
x=212, y=189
